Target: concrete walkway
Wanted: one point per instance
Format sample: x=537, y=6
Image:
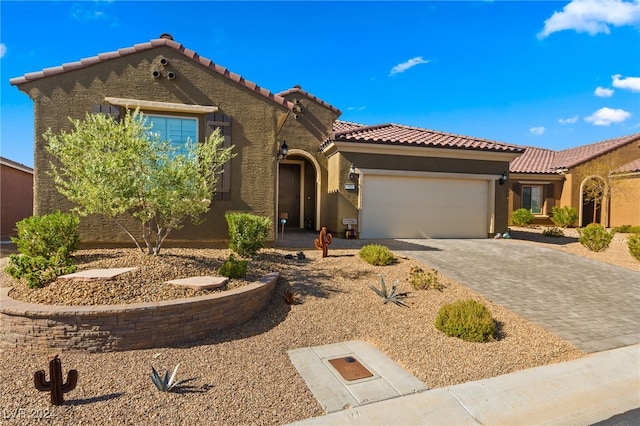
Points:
x=581, y=392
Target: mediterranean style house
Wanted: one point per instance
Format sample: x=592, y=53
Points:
x=541, y=179
x=295, y=159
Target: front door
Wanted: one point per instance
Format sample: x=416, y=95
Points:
x=289, y=193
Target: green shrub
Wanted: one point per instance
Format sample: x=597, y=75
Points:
x=627, y=229
x=467, y=319
x=39, y=270
x=564, y=216
x=421, y=280
x=595, y=237
x=46, y=235
x=232, y=268
x=376, y=254
x=634, y=245
x=553, y=232
x=247, y=233
x=522, y=217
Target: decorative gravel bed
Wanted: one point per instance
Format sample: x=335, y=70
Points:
x=244, y=376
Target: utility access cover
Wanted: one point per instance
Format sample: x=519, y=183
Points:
x=350, y=368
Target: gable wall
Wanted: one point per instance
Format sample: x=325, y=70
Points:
x=252, y=130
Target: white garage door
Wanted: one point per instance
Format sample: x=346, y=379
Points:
x=423, y=207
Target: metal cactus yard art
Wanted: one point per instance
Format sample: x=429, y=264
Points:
x=323, y=242
x=55, y=384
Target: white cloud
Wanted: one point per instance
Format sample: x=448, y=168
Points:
x=356, y=108
x=606, y=116
x=3, y=50
x=94, y=11
x=569, y=120
x=603, y=92
x=537, y=130
x=408, y=64
x=630, y=83
x=592, y=16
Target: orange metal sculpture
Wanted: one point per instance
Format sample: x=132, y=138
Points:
x=323, y=242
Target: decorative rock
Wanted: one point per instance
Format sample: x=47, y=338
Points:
x=200, y=283
x=96, y=274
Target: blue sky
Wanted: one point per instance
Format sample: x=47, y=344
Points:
x=547, y=74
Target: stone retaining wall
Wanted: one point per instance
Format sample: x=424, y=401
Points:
x=129, y=326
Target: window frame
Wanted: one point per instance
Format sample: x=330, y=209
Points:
x=540, y=201
x=179, y=117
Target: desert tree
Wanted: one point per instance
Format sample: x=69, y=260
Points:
x=122, y=169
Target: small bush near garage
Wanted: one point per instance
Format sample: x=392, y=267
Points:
x=522, y=217
x=376, y=254
x=627, y=229
x=595, y=237
x=247, y=233
x=553, y=232
x=564, y=216
x=469, y=320
x=634, y=245
x=421, y=280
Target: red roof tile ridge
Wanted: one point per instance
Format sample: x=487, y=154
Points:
x=455, y=135
x=297, y=89
x=106, y=56
x=572, y=157
x=361, y=129
x=632, y=167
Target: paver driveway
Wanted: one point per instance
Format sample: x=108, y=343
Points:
x=589, y=303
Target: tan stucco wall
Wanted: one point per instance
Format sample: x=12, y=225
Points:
x=552, y=194
x=625, y=203
x=253, y=125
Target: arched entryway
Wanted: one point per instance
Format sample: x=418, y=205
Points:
x=592, y=197
x=299, y=190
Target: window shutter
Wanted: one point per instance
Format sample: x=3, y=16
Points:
x=517, y=194
x=213, y=122
x=107, y=109
x=550, y=202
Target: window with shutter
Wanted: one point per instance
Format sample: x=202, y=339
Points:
x=223, y=122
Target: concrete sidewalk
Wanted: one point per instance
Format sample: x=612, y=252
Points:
x=581, y=392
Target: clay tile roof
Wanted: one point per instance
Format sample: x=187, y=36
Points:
x=163, y=41
x=534, y=160
x=298, y=89
x=538, y=160
x=396, y=134
x=341, y=125
x=574, y=156
x=632, y=167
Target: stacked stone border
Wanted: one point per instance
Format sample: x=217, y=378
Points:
x=107, y=328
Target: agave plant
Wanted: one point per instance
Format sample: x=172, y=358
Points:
x=290, y=297
x=390, y=296
x=168, y=383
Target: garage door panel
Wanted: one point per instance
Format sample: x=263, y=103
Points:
x=423, y=207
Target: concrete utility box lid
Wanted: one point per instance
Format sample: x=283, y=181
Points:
x=96, y=274
x=200, y=283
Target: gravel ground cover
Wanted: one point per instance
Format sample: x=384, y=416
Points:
x=244, y=376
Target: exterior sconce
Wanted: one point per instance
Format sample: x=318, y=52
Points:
x=503, y=178
x=352, y=172
x=283, y=151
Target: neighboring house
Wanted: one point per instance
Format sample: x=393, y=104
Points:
x=16, y=195
x=542, y=179
x=393, y=180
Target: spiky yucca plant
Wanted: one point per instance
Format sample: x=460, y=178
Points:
x=390, y=296
x=166, y=384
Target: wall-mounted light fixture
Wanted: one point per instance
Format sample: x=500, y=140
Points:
x=283, y=151
x=503, y=178
x=352, y=172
